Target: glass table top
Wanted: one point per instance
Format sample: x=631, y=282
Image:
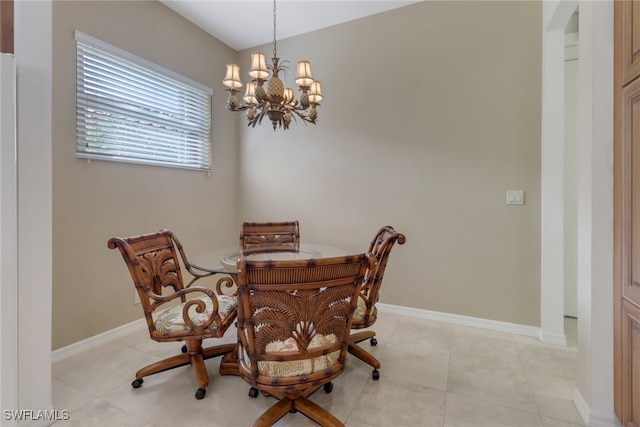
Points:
x=224, y=260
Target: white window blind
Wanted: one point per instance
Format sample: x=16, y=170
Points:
x=131, y=110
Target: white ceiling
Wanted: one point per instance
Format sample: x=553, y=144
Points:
x=242, y=24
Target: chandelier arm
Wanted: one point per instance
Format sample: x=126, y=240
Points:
x=239, y=108
x=302, y=115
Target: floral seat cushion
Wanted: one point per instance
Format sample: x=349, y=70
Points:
x=171, y=320
x=294, y=368
x=361, y=309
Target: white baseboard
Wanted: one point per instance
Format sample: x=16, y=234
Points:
x=581, y=406
x=556, y=339
x=96, y=340
x=593, y=418
x=456, y=319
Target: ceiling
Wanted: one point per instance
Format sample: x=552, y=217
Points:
x=242, y=24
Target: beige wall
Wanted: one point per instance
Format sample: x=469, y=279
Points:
x=431, y=113
x=92, y=291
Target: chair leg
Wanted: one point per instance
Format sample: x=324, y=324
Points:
x=274, y=413
x=164, y=365
x=366, y=357
x=361, y=336
x=195, y=356
x=316, y=413
x=194, y=350
x=218, y=350
x=363, y=355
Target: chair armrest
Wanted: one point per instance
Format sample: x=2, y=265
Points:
x=198, y=303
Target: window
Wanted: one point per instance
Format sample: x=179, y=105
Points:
x=130, y=110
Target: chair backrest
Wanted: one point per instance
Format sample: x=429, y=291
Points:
x=154, y=265
x=269, y=236
x=380, y=247
x=294, y=319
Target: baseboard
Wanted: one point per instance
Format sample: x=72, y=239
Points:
x=582, y=406
x=97, y=340
x=593, y=418
x=556, y=339
x=456, y=319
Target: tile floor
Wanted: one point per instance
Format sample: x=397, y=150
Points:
x=433, y=374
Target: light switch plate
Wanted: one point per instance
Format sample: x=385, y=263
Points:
x=515, y=197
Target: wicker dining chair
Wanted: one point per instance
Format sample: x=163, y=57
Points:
x=154, y=264
x=366, y=312
x=269, y=236
x=294, y=320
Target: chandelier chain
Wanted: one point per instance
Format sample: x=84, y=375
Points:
x=275, y=54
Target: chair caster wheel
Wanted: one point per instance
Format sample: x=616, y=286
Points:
x=200, y=393
x=184, y=348
x=373, y=342
x=375, y=374
x=328, y=387
x=137, y=383
x=253, y=392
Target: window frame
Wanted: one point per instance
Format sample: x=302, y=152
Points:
x=130, y=132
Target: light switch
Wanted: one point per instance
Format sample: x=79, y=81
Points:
x=515, y=197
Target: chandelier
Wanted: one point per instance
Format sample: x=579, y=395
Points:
x=273, y=100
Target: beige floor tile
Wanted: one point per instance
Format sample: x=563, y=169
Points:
x=419, y=363
x=411, y=330
x=385, y=326
x=507, y=392
x=551, y=385
x=487, y=355
x=489, y=369
x=395, y=403
x=358, y=424
x=99, y=413
x=468, y=330
x=547, y=359
x=66, y=396
x=561, y=409
x=101, y=370
x=464, y=411
x=552, y=422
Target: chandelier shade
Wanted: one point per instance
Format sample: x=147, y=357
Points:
x=232, y=78
x=258, y=66
x=269, y=97
x=304, y=77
